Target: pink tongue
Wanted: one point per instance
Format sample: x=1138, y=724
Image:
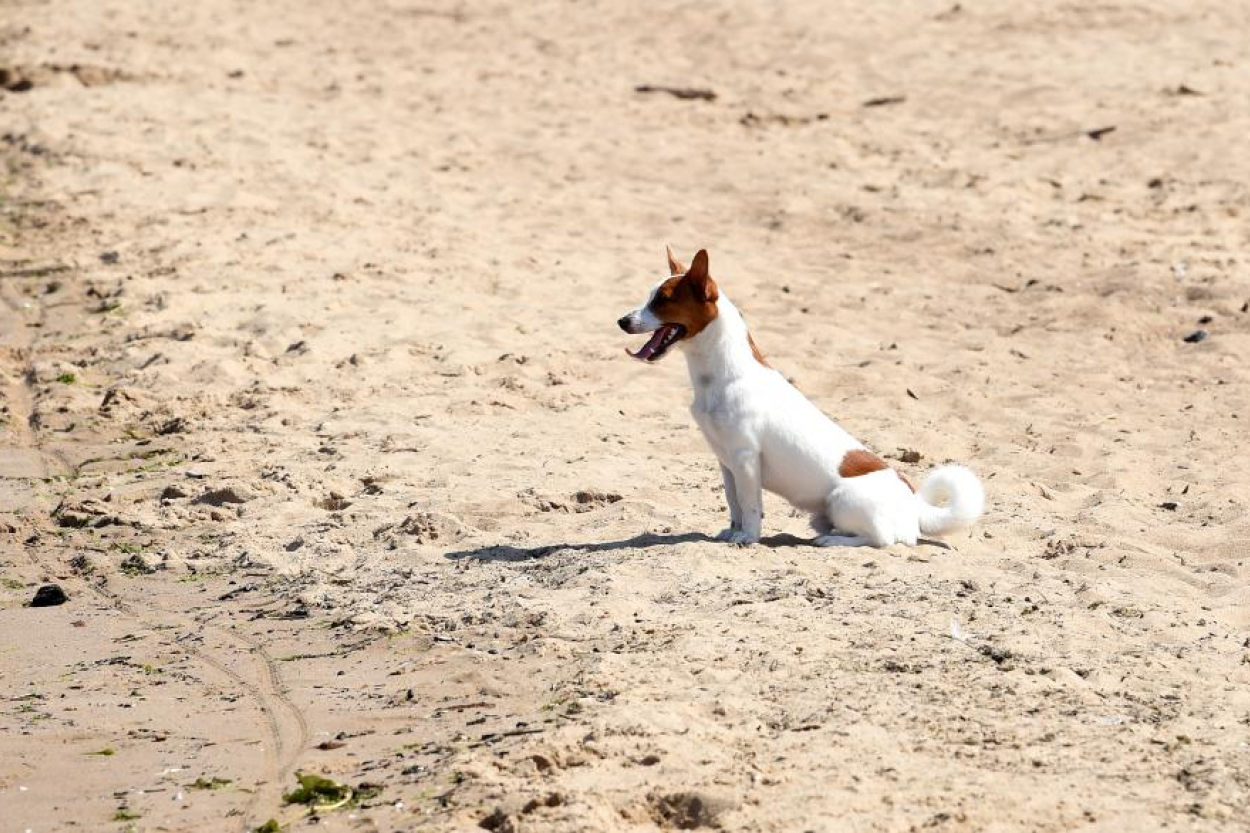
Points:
x=653, y=344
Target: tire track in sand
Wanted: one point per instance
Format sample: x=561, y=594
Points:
x=281, y=721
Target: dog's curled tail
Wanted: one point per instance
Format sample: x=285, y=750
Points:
x=951, y=498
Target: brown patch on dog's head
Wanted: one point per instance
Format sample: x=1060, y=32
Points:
x=689, y=299
x=859, y=462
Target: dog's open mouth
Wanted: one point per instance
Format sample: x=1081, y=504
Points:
x=659, y=343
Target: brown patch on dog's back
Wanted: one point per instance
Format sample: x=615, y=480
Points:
x=859, y=462
x=689, y=299
x=755, y=351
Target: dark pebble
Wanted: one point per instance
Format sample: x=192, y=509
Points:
x=14, y=80
x=1206, y=319
x=50, y=595
x=498, y=820
x=136, y=566
x=1196, y=336
x=1169, y=505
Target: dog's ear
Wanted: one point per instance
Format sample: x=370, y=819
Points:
x=702, y=283
x=675, y=266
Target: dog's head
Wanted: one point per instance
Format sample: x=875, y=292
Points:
x=678, y=308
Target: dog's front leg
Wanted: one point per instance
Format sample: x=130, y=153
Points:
x=735, y=511
x=747, y=495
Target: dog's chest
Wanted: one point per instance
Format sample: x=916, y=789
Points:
x=722, y=415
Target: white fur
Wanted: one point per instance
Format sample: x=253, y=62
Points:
x=767, y=435
x=643, y=320
x=951, y=498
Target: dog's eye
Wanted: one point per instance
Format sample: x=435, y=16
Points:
x=659, y=301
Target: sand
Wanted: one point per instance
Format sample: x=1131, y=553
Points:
x=315, y=406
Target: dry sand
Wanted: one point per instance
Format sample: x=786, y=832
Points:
x=315, y=406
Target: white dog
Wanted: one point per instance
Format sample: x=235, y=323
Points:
x=767, y=435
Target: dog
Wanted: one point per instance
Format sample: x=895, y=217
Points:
x=767, y=435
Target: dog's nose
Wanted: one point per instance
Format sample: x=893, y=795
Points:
x=623, y=323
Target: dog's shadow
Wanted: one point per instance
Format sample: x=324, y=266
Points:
x=502, y=552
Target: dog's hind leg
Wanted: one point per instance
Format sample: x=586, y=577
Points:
x=861, y=512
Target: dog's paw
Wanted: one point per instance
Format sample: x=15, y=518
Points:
x=840, y=541
x=737, y=536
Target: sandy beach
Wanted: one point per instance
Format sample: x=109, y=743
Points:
x=313, y=403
